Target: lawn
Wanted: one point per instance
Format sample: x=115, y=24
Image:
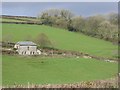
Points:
x=61, y=39
x=44, y=70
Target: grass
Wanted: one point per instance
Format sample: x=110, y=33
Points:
x=11, y=20
x=61, y=39
x=31, y=19
x=15, y=20
x=44, y=70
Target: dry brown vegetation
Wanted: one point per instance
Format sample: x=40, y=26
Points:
x=109, y=83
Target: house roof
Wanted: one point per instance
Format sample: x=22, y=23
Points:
x=26, y=43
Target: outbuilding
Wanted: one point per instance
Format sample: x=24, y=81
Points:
x=27, y=48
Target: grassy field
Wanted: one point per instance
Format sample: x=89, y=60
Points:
x=22, y=19
x=61, y=39
x=31, y=19
x=11, y=20
x=44, y=70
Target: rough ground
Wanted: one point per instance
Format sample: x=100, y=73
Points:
x=109, y=83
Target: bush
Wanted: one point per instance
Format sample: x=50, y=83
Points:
x=43, y=41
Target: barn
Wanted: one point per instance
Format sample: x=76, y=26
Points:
x=27, y=48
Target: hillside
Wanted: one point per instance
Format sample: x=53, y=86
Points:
x=55, y=70
x=61, y=39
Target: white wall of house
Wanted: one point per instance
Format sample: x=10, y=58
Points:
x=16, y=46
x=28, y=50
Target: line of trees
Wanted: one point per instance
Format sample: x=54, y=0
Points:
x=100, y=26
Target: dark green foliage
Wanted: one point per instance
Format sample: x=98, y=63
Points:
x=7, y=44
x=43, y=41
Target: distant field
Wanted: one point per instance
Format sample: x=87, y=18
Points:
x=31, y=19
x=19, y=19
x=39, y=70
x=11, y=20
x=61, y=39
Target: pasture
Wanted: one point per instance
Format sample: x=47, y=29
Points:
x=18, y=19
x=61, y=39
x=44, y=70
x=11, y=20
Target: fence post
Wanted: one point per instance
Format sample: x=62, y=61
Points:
x=28, y=84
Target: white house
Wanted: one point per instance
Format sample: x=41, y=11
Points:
x=27, y=48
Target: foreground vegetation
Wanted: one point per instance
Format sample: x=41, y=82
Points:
x=61, y=39
x=44, y=70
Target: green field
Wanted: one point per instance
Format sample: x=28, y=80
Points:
x=11, y=20
x=44, y=70
x=30, y=19
x=61, y=39
x=19, y=19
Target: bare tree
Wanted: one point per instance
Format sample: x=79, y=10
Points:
x=113, y=18
x=78, y=23
x=108, y=31
x=66, y=14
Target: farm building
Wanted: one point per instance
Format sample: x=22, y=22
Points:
x=27, y=48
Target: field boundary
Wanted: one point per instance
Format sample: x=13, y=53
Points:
x=108, y=83
x=34, y=23
x=60, y=54
x=7, y=49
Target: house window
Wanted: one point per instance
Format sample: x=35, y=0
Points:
x=31, y=53
x=28, y=47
